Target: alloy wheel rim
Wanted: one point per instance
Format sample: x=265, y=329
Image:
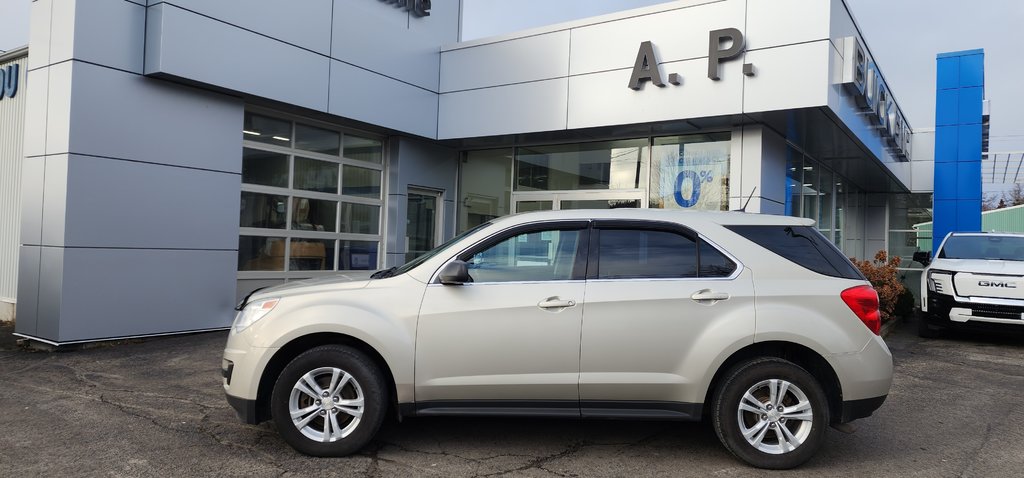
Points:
x=326, y=404
x=775, y=416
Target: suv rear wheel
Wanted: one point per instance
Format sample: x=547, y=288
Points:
x=329, y=401
x=770, y=413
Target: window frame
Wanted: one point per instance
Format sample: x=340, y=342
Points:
x=292, y=193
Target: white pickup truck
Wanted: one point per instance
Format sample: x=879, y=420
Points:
x=976, y=281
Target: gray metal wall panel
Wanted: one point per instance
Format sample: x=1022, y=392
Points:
x=120, y=115
x=145, y=291
x=107, y=210
x=96, y=42
x=379, y=37
x=58, y=107
x=532, y=58
x=35, y=113
x=519, y=108
x=39, y=33
x=32, y=186
x=305, y=23
x=201, y=49
x=12, y=136
x=51, y=288
x=366, y=96
x=55, y=200
x=771, y=23
x=28, y=290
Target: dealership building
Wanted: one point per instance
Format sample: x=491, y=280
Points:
x=162, y=159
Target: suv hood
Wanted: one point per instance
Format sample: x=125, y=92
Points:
x=981, y=266
x=348, y=280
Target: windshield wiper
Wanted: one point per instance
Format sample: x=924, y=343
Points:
x=383, y=273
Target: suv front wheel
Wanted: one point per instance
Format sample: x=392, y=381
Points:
x=770, y=413
x=329, y=401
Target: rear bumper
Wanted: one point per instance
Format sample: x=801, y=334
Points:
x=854, y=409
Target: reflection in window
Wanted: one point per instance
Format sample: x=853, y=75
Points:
x=534, y=256
x=599, y=165
x=691, y=172
x=484, y=187
x=794, y=181
x=634, y=254
x=314, y=175
x=267, y=211
x=713, y=263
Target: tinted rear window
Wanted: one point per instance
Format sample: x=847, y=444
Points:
x=803, y=245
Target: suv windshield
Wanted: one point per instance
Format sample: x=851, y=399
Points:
x=408, y=266
x=983, y=246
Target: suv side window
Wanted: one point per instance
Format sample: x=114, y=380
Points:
x=802, y=245
x=541, y=255
x=657, y=254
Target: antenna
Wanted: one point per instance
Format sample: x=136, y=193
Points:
x=751, y=196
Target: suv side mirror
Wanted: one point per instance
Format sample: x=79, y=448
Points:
x=454, y=273
x=924, y=257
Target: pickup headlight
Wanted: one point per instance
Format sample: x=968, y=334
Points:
x=252, y=312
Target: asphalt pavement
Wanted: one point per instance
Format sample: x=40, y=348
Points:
x=156, y=408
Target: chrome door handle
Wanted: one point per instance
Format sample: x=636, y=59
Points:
x=708, y=295
x=556, y=303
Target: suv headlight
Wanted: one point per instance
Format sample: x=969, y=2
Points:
x=252, y=312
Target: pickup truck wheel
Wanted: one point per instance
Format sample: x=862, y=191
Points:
x=924, y=330
x=329, y=401
x=770, y=413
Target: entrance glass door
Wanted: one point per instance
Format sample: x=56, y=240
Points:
x=423, y=222
x=548, y=201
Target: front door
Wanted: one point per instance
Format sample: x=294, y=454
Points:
x=423, y=222
x=510, y=338
x=548, y=201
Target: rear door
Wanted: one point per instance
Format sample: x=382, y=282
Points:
x=662, y=304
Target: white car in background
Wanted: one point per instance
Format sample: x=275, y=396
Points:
x=976, y=281
x=756, y=323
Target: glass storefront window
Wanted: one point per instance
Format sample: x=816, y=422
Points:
x=568, y=167
x=794, y=181
x=527, y=206
x=360, y=182
x=360, y=218
x=261, y=253
x=484, y=186
x=265, y=211
x=825, y=185
x=264, y=129
x=311, y=202
x=363, y=149
x=264, y=167
x=317, y=140
x=314, y=215
x=357, y=255
x=691, y=171
x=315, y=175
x=809, y=192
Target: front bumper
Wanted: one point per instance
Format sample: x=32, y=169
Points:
x=246, y=410
x=954, y=312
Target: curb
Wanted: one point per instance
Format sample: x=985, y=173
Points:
x=888, y=326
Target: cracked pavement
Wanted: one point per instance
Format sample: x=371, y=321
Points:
x=156, y=408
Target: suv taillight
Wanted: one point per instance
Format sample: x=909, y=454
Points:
x=863, y=301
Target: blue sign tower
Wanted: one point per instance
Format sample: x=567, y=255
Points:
x=960, y=84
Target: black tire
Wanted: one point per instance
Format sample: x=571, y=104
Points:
x=924, y=330
x=368, y=380
x=726, y=413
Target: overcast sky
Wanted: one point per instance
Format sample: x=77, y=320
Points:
x=903, y=36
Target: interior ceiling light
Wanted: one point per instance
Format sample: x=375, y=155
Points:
x=250, y=132
x=280, y=138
